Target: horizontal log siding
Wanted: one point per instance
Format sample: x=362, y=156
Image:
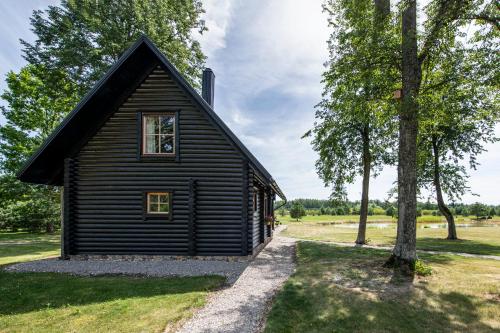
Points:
x=111, y=180
x=251, y=226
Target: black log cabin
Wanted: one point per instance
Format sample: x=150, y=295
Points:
x=148, y=168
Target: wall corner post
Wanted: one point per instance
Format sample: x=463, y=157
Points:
x=192, y=217
x=66, y=195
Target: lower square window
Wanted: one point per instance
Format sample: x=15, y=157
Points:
x=158, y=203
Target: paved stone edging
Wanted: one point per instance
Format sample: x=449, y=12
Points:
x=243, y=307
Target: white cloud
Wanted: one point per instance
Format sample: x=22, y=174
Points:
x=217, y=15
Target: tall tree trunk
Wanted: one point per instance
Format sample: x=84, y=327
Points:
x=363, y=214
x=382, y=11
x=452, y=230
x=49, y=227
x=404, y=253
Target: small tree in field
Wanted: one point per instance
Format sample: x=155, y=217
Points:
x=297, y=211
x=479, y=210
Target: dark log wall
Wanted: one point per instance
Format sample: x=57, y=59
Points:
x=110, y=180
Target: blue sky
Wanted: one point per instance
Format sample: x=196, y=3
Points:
x=268, y=58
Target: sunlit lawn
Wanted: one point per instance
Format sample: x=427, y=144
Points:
x=477, y=240
x=23, y=246
x=42, y=302
x=375, y=219
x=345, y=289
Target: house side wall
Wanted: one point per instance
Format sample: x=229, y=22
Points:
x=110, y=179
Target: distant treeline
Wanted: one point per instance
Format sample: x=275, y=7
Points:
x=379, y=207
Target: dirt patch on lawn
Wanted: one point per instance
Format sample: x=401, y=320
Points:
x=371, y=279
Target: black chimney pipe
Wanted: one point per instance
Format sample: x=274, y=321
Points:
x=207, y=86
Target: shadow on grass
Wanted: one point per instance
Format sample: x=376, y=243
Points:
x=338, y=289
x=27, y=292
x=10, y=254
x=460, y=245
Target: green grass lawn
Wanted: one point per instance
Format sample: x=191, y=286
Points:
x=43, y=302
x=23, y=246
x=345, y=289
x=376, y=218
x=477, y=240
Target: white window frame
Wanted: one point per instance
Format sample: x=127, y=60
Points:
x=144, y=134
x=148, y=202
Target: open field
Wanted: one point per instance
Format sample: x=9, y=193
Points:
x=43, y=302
x=345, y=289
x=477, y=240
x=377, y=219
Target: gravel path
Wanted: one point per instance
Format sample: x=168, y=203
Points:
x=158, y=268
x=243, y=307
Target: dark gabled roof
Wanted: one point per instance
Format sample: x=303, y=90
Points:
x=46, y=165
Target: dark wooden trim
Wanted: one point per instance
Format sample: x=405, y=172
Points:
x=192, y=217
x=244, y=210
x=66, y=205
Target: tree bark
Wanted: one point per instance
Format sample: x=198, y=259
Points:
x=452, y=230
x=363, y=214
x=404, y=253
x=49, y=227
x=382, y=11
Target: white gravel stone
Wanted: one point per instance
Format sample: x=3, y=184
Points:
x=158, y=268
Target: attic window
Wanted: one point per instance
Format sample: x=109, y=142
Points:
x=158, y=134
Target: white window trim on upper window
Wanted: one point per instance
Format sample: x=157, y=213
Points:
x=158, y=134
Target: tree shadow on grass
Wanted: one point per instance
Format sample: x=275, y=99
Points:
x=460, y=245
x=14, y=250
x=332, y=292
x=27, y=292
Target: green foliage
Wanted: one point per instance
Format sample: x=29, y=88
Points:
x=459, y=109
x=297, y=211
x=35, y=107
x=479, y=210
x=422, y=269
x=357, y=106
x=33, y=214
x=25, y=206
x=390, y=211
x=492, y=212
x=83, y=38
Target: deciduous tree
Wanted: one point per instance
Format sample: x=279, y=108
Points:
x=458, y=116
x=297, y=211
x=444, y=19
x=354, y=133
